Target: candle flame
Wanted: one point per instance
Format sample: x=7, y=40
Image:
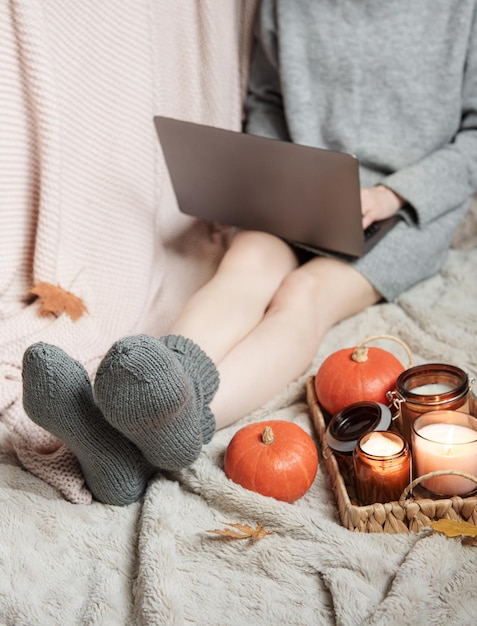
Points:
x=449, y=440
x=450, y=435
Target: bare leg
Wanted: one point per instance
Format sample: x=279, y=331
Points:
x=262, y=318
x=310, y=301
x=234, y=301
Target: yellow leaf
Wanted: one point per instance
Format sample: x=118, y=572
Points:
x=451, y=528
x=243, y=531
x=54, y=300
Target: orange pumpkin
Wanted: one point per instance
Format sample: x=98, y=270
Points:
x=358, y=374
x=274, y=458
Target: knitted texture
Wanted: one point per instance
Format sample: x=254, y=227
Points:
x=203, y=374
x=156, y=397
x=86, y=201
x=57, y=395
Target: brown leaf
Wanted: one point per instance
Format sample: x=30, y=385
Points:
x=451, y=528
x=469, y=541
x=243, y=531
x=54, y=300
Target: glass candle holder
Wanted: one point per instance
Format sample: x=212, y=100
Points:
x=382, y=467
x=445, y=440
x=429, y=387
x=351, y=423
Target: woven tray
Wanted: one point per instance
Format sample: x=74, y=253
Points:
x=411, y=513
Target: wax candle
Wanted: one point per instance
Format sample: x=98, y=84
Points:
x=432, y=389
x=382, y=467
x=445, y=440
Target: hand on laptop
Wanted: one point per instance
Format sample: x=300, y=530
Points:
x=378, y=203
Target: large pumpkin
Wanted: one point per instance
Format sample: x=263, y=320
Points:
x=358, y=374
x=274, y=458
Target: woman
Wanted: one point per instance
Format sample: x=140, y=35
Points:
x=364, y=77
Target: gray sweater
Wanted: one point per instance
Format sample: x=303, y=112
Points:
x=394, y=83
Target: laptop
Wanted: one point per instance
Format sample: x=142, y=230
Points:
x=307, y=196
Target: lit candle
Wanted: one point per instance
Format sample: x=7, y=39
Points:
x=382, y=467
x=445, y=440
x=381, y=445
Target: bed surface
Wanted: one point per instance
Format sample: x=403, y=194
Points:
x=155, y=562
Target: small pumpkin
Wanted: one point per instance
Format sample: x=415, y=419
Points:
x=358, y=374
x=274, y=458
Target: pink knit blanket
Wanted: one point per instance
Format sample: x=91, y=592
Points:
x=85, y=198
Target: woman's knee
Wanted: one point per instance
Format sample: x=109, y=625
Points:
x=327, y=289
x=297, y=291
x=260, y=252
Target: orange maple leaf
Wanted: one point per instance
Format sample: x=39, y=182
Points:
x=54, y=300
x=243, y=531
x=453, y=528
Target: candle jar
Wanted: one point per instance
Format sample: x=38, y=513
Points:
x=429, y=387
x=445, y=440
x=351, y=423
x=382, y=467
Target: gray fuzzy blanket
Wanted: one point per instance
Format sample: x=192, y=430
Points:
x=155, y=563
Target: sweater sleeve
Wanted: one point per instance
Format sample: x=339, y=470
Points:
x=446, y=178
x=264, y=104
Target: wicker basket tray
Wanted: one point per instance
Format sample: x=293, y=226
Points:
x=411, y=513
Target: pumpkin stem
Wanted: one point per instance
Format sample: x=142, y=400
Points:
x=392, y=338
x=360, y=354
x=267, y=436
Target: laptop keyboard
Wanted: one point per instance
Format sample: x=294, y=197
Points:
x=371, y=230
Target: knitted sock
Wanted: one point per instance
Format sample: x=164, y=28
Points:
x=203, y=373
x=58, y=396
x=156, y=392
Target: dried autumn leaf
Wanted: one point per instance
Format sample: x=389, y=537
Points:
x=451, y=528
x=469, y=541
x=243, y=531
x=54, y=300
